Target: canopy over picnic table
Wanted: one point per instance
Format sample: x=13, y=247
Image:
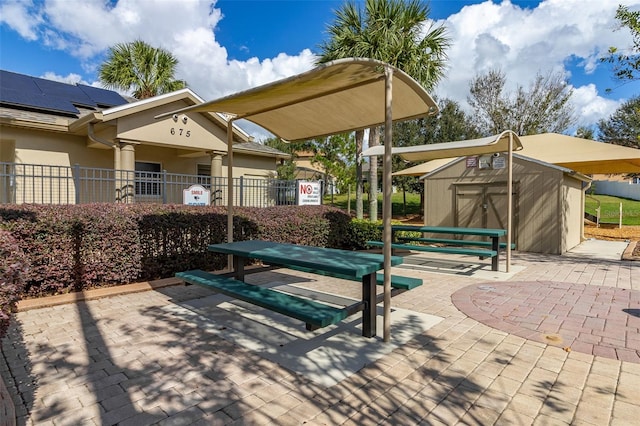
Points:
x=336, y=97
x=581, y=155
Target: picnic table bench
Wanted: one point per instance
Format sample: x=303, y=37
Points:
x=314, y=314
x=398, y=282
x=485, y=249
x=351, y=265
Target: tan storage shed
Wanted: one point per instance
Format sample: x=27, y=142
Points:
x=548, y=200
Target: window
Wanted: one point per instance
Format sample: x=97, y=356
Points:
x=148, y=179
x=204, y=174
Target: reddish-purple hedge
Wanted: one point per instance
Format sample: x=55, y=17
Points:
x=75, y=247
x=12, y=267
x=321, y=226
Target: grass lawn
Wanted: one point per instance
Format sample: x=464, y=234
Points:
x=610, y=209
x=609, y=206
x=398, y=207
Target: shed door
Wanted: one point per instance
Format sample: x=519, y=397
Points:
x=485, y=206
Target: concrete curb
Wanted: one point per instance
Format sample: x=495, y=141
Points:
x=61, y=299
x=628, y=253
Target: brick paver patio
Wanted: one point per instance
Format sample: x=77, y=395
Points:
x=129, y=360
x=592, y=319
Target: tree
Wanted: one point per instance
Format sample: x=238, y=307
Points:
x=452, y=124
x=585, y=132
x=626, y=62
x=623, y=127
x=390, y=31
x=287, y=169
x=137, y=66
x=336, y=156
x=544, y=107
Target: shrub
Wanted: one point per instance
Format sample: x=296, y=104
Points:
x=70, y=248
x=360, y=231
x=175, y=238
x=74, y=247
x=320, y=226
x=12, y=267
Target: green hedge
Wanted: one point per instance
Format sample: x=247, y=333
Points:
x=70, y=248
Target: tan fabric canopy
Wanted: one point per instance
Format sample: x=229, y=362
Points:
x=488, y=145
x=424, y=168
x=337, y=97
x=582, y=155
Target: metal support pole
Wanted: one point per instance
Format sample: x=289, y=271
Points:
x=230, y=189
x=509, y=201
x=386, y=212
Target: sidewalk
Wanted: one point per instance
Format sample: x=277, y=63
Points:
x=489, y=353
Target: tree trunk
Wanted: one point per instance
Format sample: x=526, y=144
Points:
x=374, y=140
x=359, y=206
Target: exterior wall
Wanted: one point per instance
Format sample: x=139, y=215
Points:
x=59, y=149
x=251, y=165
x=573, y=212
x=49, y=150
x=610, y=178
x=198, y=133
x=546, y=208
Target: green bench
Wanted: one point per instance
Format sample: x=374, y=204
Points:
x=397, y=281
x=482, y=253
x=454, y=242
x=314, y=314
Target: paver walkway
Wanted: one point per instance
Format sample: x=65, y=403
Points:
x=129, y=360
x=596, y=320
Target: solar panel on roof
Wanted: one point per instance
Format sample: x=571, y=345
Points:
x=69, y=92
x=103, y=97
x=36, y=101
x=11, y=80
x=24, y=91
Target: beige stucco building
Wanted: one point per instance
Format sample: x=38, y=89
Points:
x=125, y=142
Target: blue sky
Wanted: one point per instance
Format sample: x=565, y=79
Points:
x=230, y=45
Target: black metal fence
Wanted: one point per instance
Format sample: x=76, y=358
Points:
x=43, y=184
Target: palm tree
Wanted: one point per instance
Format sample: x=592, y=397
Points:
x=137, y=66
x=390, y=31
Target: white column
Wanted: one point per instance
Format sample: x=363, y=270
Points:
x=128, y=165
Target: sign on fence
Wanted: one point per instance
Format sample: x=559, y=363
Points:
x=196, y=195
x=309, y=193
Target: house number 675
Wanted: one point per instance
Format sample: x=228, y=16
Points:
x=180, y=132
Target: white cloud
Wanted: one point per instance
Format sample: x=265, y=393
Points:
x=23, y=17
x=69, y=78
x=522, y=42
x=525, y=42
x=86, y=29
x=590, y=107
